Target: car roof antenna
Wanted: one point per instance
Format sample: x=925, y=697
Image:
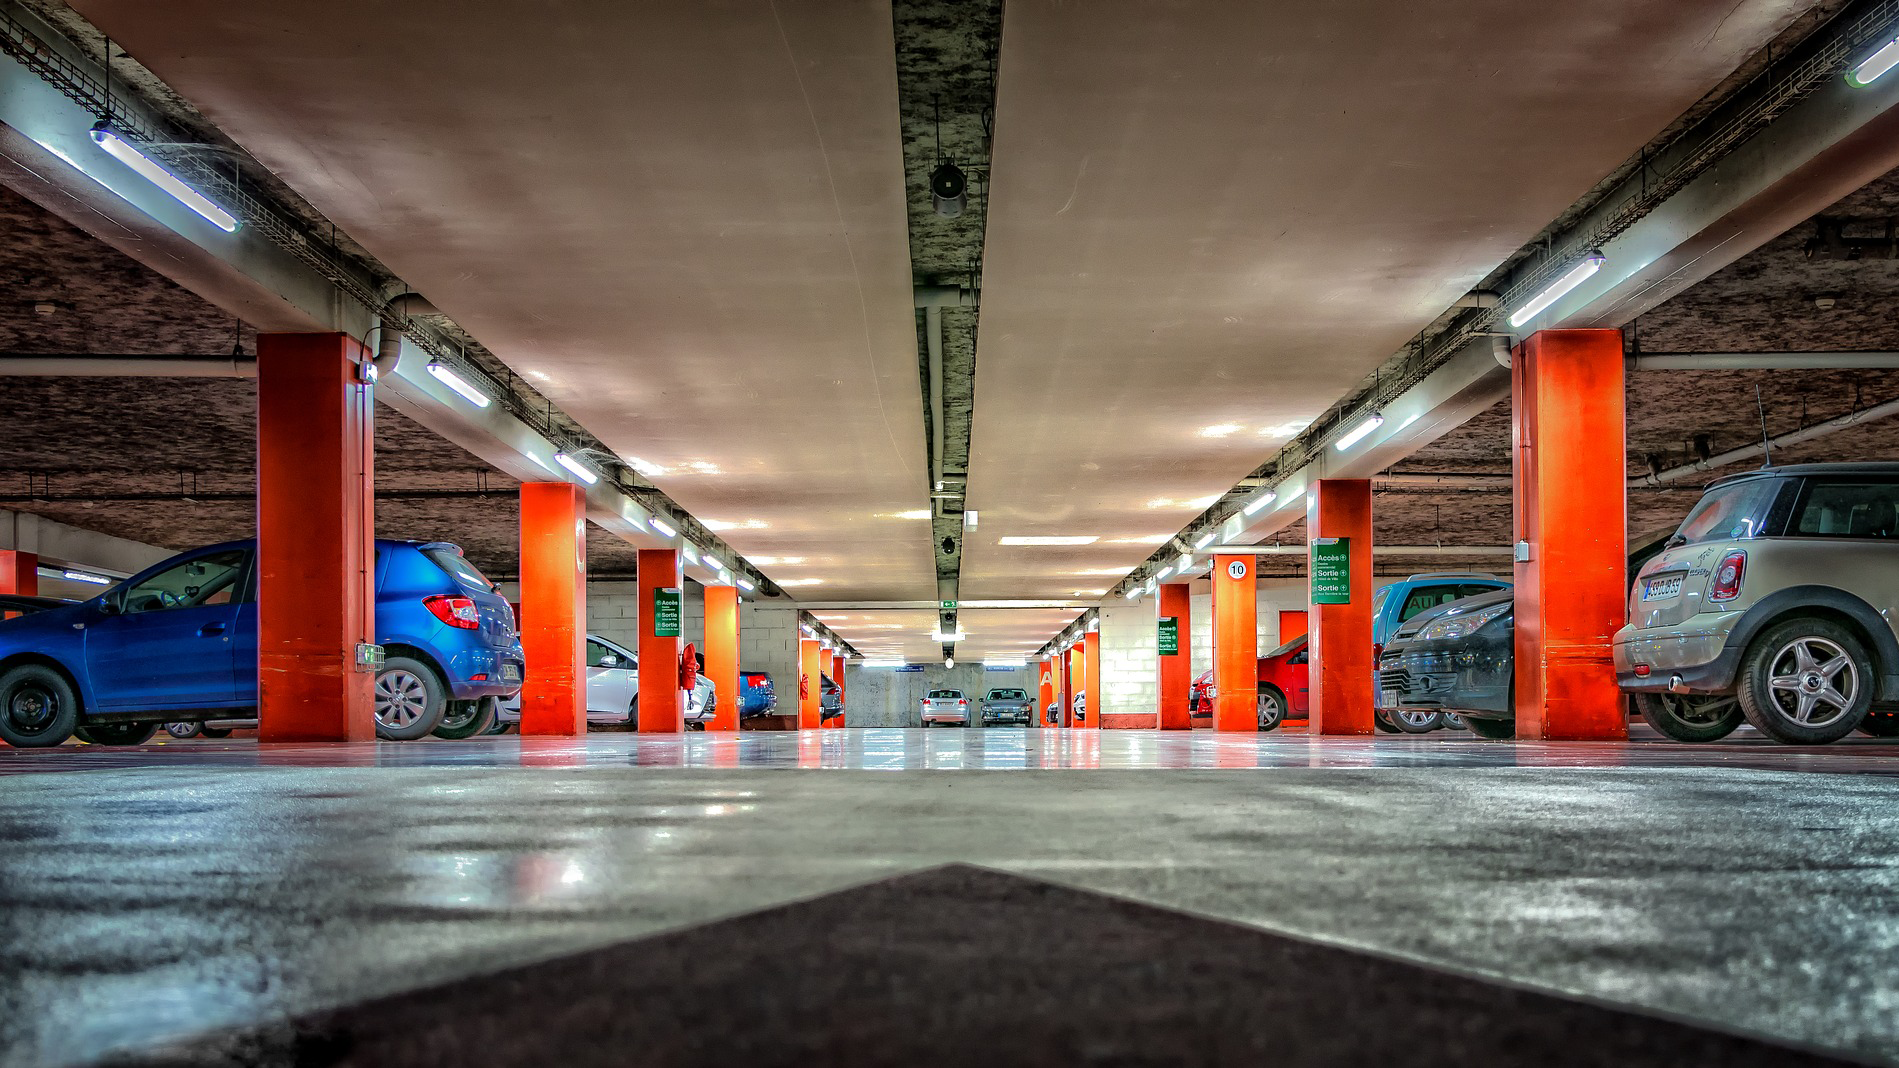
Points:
x=1767, y=443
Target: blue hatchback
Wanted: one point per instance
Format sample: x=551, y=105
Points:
x=178, y=643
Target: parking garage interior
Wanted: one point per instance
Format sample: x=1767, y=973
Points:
x=899, y=531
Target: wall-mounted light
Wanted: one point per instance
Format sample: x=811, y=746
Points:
x=1869, y=70
x=447, y=376
x=1259, y=502
x=949, y=661
x=579, y=469
x=86, y=576
x=1062, y=539
x=154, y=172
x=1358, y=433
x=745, y=584
x=1205, y=540
x=661, y=527
x=1575, y=276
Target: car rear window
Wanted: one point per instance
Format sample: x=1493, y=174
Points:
x=455, y=564
x=945, y=693
x=1729, y=513
x=1848, y=510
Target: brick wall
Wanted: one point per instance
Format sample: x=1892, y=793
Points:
x=1130, y=666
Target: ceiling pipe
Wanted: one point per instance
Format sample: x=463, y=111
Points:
x=1443, y=482
x=1762, y=361
x=235, y=365
x=1718, y=460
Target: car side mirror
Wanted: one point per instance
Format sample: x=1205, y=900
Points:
x=609, y=660
x=109, y=605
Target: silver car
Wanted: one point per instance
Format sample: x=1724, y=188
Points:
x=613, y=690
x=1007, y=705
x=946, y=706
x=1775, y=602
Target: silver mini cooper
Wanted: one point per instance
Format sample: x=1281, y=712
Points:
x=1775, y=601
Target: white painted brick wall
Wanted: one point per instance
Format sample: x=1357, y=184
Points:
x=1130, y=660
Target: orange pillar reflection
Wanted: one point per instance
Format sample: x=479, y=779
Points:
x=1176, y=668
x=809, y=668
x=315, y=539
x=661, y=709
x=1566, y=389
x=553, y=608
x=1235, y=643
x=1339, y=520
x=1095, y=700
x=722, y=655
x=837, y=676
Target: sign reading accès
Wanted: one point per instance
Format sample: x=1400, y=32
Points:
x=1170, y=636
x=666, y=611
x=1332, y=571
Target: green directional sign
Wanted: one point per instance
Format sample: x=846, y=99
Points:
x=666, y=612
x=1332, y=571
x=1170, y=636
x=949, y=606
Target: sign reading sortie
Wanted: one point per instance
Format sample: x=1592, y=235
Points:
x=666, y=611
x=1170, y=636
x=1332, y=571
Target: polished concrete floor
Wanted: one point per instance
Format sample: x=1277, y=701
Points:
x=155, y=893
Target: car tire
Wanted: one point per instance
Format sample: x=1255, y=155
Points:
x=1453, y=721
x=1496, y=730
x=38, y=708
x=410, y=700
x=1801, y=670
x=465, y=719
x=1880, y=724
x=1420, y=722
x=1691, y=718
x=215, y=732
x=1383, y=723
x=182, y=731
x=121, y=733
x=1272, y=708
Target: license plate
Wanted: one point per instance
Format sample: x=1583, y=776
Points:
x=1388, y=699
x=510, y=673
x=1661, y=587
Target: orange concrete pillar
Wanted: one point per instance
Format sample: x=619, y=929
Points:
x=662, y=606
x=838, y=679
x=1173, y=611
x=1046, y=690
x=554, y=608
x=1235, y=643
x=19, y=572
x=810, y=664
x=316, y=525
x=1091, y=678
x=1571, y=511
x=1339, y=538
x=1071, y=683
x=722, y=655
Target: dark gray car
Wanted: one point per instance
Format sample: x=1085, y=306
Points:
x=1007, y=705
x=1456, y=658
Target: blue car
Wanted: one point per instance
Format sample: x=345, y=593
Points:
x=757, y=695
x=178, y=643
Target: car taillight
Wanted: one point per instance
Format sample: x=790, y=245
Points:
x=1642, y=670
x=455, y=611
x=962, y=702
x=1727, y=577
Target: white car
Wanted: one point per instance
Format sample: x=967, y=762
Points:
x=613, y=690
x=946, y=706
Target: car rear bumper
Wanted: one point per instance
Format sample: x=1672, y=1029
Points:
x=493, y=665
x=1692, y=655
x=945, y=717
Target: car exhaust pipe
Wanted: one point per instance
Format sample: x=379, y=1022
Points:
x=1675, y=685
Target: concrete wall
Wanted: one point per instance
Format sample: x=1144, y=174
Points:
x=1130, y=661
x=884, y=697
x=768, y=642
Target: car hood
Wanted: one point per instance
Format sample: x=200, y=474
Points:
x=1479, y=603
x=52, y=619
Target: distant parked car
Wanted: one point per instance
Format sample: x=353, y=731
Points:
x=946, y=706
x=1007, y=704
x=1776, y=601
x=830, y=698
x=1080, y=706
x=758, y=696
x=613, y=690
x=1458, y=657
x=178, y=643
x=1052, y=715
x=15, y=605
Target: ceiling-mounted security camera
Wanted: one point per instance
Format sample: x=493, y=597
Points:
x=949, y=189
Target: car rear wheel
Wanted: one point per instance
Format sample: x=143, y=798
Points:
x=1415, y=720
x=465, y=719
x=121, y=733
x=1381, y=719
x=410, y=700
x=215, y=732
x=1691, y=717
x=38, y=707
x=1453, y=721
x=1497, y=730
x=1272, y=708
x=1880, y=724
x=183, y=730
x=1806, y=682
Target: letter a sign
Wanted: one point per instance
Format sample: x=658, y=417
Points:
x=1047, y=680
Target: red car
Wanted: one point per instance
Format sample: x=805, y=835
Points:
x=1282, y=687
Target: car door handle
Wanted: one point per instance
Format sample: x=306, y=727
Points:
x=210, y=629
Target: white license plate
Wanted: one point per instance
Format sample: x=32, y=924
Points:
x=1661, y=587
x=510, y=673
x=1388, y=699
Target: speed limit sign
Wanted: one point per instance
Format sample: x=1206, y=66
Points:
x=1236, y=569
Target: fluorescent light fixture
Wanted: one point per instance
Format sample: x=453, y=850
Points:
x=1135, y=593
x=882, y=663
x=447, y=376
x=1006, y=662
x=1163, y=573
x=1205, y=540
x=579, y=469
x=1572, y=278
x=661, y=527
x=86, y=576
x=744, y=583
x=1872, y=67
x=1259, y=502
x=1357, y=433
x=154, y=172
x=939, y=636
x=1415, y=416
x=1066, y=539
x=807, y=631
x=969, y=519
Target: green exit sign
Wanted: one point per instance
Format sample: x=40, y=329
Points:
x=949, y=606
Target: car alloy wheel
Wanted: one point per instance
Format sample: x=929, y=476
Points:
x=410, y=702
x=1806, y=682
x=1691, y=717
x=1415, y=720
x=1272, y=709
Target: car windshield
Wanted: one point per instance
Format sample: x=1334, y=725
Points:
x=1006, y=695
x=455, y=564
x=951, y=694
x=1728, y=513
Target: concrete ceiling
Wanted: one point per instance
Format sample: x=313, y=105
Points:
x=684, y=222
x=905, y=632
x=1210, y=219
